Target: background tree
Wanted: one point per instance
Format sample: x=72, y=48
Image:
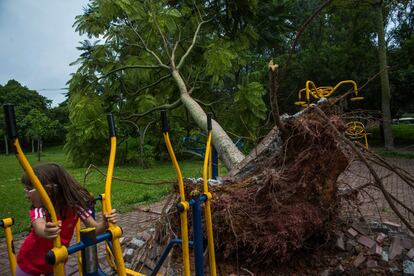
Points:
x=25, y=100
x=385, y=84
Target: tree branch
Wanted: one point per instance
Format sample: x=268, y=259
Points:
x=173, y=105
x=192, y=45
x=146, y=47
x=129, y=67
x=152, y=84
x=273, y=89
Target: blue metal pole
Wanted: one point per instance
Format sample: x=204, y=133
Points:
x=198, y=237
x=215, y=166
x=90, y=265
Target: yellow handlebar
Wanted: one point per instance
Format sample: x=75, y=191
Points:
x=114, y=229
x=6, y=224
x=58, y=268
x=207, y=207
x=185, y=205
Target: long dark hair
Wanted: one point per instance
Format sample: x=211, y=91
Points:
x=63, y=190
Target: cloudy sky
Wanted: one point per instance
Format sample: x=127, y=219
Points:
x=37, y=43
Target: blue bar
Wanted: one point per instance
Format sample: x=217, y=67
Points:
x=80, y=245
x=215, y=166
x=198, y=237
x=164, y=254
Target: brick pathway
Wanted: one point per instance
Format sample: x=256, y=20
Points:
x=372, y=203
x=373, y=207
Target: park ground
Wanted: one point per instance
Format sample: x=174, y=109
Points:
x=129, y=198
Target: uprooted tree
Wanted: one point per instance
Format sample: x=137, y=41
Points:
x=163, y=55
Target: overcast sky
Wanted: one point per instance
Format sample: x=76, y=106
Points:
x=37, y=43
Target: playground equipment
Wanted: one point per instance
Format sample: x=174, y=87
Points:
x=6, y=224
x=87, y=238
x=356, y=130
x=195, y=203
x=316, y=93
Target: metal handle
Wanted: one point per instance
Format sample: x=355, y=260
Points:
x=111, y=124
x=10, y=119
x=209, y=115
x=164, y=121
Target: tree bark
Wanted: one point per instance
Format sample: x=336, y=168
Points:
x=6, y=144
x=229, y=154
x=385, y=85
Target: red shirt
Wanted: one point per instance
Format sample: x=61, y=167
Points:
x=31, y=257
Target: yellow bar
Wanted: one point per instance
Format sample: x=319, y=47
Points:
x=7, y=223
x=207, y=209
x=79, y=257
x=210, y=166
x=183, y=214
x=58, y=268
x=366, y=140
x=116, y=245
x=133, y=273
x=345, y=82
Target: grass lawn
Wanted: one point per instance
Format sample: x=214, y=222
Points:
x=403, y=135
x=124, y=195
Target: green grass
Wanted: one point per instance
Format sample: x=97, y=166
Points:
x=125, y=195
x=403, y=135
x=397, y=154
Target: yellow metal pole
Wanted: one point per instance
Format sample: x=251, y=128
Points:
x=6, y=224
x=60, y=251
x=366, y=140
x=79, y=257
x=114, y=229
x=184, y=203
x=207, y=209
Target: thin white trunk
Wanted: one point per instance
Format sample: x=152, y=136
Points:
x=6, y=144
x=229, y=154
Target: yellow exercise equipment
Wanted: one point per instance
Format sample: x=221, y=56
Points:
x=6, y=224
x=311, y=91
x=356, y=130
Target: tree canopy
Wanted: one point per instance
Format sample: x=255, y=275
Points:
x=221, y=50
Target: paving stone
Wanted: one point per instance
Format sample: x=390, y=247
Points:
x=380, y=237
x=361, y=227
x=352, y=232
x=408, y=268
x=407, y=243
x=359, y=260
x=366, y=241
x=384, y=256
x=340, y=242
x=377, y=250
x=395, y=249
x=410, y=253
x=372, y=263
x=136, y=243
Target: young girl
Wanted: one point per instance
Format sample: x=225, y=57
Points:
x=71, y=201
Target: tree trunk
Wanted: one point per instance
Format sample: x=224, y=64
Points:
x=38, y=149
x=33, y=149
x=6, y=144
x=385, y=85
x=227, y=150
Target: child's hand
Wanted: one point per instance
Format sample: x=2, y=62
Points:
x=52, y=230
x=112, y=217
